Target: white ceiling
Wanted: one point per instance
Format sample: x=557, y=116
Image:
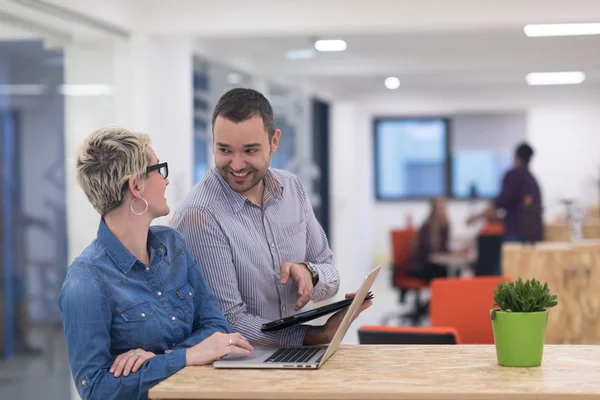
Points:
x=452, y=60
x=436, y=46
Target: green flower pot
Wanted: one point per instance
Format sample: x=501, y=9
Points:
x=519, y=337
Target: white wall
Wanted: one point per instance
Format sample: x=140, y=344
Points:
x=567, y=160
x=350, y=201
x=561, y=127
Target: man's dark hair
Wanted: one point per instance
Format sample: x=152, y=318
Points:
x=524, y=153
x=238, y=105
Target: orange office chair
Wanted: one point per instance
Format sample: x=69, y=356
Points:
x=382, y=334
x=465, y=304
x=402, y=249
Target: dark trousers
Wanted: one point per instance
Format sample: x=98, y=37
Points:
x=430, y=271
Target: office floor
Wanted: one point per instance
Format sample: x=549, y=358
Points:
x=48, y=377
x=44, y=376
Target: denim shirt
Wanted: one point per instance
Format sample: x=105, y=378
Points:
x=112, y=303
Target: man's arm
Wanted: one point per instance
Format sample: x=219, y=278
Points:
x=208, y=317
x=319, y=253
x=209, y=245
x=509, y=196
x=87, y=320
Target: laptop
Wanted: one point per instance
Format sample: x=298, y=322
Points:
x=300, y=357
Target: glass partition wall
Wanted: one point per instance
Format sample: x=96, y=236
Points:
x=56, y=85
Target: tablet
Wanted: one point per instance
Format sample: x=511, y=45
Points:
x=309, y=315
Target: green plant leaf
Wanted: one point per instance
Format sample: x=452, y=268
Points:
x=523, y=296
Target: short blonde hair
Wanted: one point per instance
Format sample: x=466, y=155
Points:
x=105, y=162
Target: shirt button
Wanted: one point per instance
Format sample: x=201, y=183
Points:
x=173, y=318
x=147, y=268
x=143, y=315
x=161, y=249
x=190, y=293
x=83, y=382
x=159, y=294
x=272, y=244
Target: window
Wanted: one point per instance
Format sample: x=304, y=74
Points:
x=478, y=173
x=482, y=151
x=411, y=158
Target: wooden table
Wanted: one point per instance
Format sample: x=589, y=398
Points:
x=421, y=372
x=458, y=264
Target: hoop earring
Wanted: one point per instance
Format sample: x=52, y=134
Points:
x=133, y=201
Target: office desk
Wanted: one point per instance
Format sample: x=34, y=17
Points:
x=422, y=372
x=458, y=264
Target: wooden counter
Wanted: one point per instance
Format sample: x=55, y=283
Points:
x=561, y=233
x=572, y=271
x=421, y=372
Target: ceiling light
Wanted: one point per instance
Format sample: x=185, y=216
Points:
x=22, y=90
x=562, y=29
x=300, y=54
x=392, y=82
x=234, y=78
x=330, y=45
x=555, y=78
x=85, y=90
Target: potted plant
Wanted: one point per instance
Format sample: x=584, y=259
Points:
x=519, y=325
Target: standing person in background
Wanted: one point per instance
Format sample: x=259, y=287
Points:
x=521, y=200
x=520, y=192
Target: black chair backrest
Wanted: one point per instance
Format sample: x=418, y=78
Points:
x=390, y=337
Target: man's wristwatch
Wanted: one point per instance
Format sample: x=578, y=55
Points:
x=313, y=272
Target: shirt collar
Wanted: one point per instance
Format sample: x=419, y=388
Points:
x=118, y=253
x=273, y=188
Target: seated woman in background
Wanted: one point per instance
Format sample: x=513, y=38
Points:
x=135, y=305
x=432, y=238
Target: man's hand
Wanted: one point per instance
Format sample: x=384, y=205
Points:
x=303, y=278
x=129, y=362
x=216, y=346
x=489, y=213
x=324, y=334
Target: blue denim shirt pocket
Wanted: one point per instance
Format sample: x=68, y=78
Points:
x=141, y=324
x=185, y=308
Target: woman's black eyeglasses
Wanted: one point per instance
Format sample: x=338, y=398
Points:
x=163, y=169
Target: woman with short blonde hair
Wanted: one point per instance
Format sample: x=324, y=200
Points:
x=135, y=305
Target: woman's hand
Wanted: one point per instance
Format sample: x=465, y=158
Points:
x=216, y=346
x=129, y=362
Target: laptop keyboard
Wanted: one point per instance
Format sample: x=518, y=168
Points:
x=292, y=355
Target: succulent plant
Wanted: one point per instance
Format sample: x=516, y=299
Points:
x=519, y=296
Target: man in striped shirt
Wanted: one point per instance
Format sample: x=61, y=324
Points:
x=253, y=230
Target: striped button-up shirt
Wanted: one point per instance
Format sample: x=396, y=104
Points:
x=241, y=247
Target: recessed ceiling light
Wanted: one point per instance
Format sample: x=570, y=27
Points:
x=234, y=78
x=562, y=29
x=300, y=54
x=392, y=83
x=555, y=78
x=85, y=90
x=330, y=45
x=23, y=90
